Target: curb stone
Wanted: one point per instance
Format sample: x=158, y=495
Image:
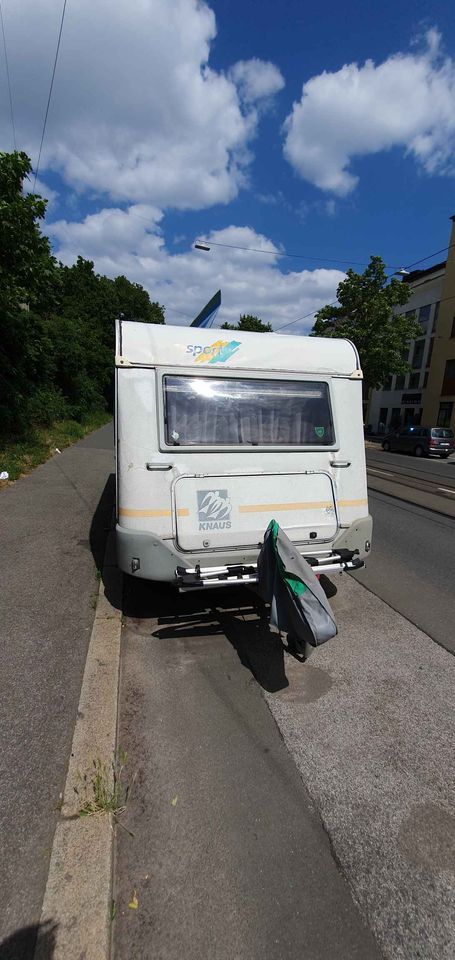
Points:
x=78, y=891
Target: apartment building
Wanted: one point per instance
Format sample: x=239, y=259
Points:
x=439, y=400
x=427, y=393
x=401, y=400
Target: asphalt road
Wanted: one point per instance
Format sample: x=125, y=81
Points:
x=53, y=527
x=412, y=564
x=427, y=482
x=420, y=466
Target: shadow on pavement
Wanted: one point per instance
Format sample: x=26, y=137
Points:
x=102, y=544
x=36, y=940
x=102, y=522
x=235, y=613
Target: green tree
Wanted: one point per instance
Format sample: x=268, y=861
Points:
x=27, y=267
x=56, y=322
x=249, y=323
x=366, y=316
x=134, y=302
x=28, y=287
x=89, y=305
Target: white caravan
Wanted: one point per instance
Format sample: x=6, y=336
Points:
x=217, y=433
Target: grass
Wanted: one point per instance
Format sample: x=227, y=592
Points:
x=22, y=455
x=104, y=789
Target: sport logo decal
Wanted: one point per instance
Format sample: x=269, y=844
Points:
x=214, y=509
x=217, y=352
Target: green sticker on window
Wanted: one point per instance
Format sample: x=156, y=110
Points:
x=319, y=431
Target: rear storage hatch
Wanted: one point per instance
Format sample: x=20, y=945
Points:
x=234, y=511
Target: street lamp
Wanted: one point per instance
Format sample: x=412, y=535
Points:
x=201, y=246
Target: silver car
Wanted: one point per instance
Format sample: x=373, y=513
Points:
x=421, y=441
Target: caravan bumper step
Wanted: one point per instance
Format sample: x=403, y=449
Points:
x=198, y=578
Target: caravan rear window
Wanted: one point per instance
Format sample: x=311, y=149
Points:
x=204, y=411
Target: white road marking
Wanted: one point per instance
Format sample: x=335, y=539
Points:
x=384, y=472
x=445, y=489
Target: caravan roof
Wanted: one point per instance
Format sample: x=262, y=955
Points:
x=146, y=344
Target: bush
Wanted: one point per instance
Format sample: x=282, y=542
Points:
x=46, y=405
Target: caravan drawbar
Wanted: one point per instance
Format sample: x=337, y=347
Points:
x=217, y=433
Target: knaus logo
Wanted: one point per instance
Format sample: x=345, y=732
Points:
x=214, y=509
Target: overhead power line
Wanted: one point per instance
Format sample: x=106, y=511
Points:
x=8, y=78
x=50, y=91
x=203, y=244
x=278, y=253
x=333, y=302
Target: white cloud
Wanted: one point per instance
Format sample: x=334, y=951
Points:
x=407, y=101
x=129, y=242
x=137, y=113
x=256, y=79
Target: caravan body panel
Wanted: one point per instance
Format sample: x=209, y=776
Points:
x=215, y=441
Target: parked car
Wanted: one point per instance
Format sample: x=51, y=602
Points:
x=421, y=441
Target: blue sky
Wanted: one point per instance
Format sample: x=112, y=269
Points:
x=173, y=119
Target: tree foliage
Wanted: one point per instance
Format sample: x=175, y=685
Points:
x=366, y=316
x=249, y=323
x=27, y=268
x=56, y=322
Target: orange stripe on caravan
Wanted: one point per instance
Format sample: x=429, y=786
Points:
x=128, y=512
x=267, y=507
x=315, y=505
x=352, y=503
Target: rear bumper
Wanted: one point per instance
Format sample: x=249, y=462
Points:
x=143, y=555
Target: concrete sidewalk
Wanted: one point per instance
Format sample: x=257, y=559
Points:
x=228, y=858
x=369, y=721
x=53, y=529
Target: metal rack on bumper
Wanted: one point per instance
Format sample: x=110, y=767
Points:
x=227, y=576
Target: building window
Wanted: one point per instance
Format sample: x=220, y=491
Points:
x=445, y=414
x=448, y=384
x=425, y=379
x=414, y=381
x=453, y=328
x=388, y=383
x=436, y=315
x=395, y=418
x=430, y=352
x=417, y=356
x=414, y=398
x=424, y=316
x=399, y=383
